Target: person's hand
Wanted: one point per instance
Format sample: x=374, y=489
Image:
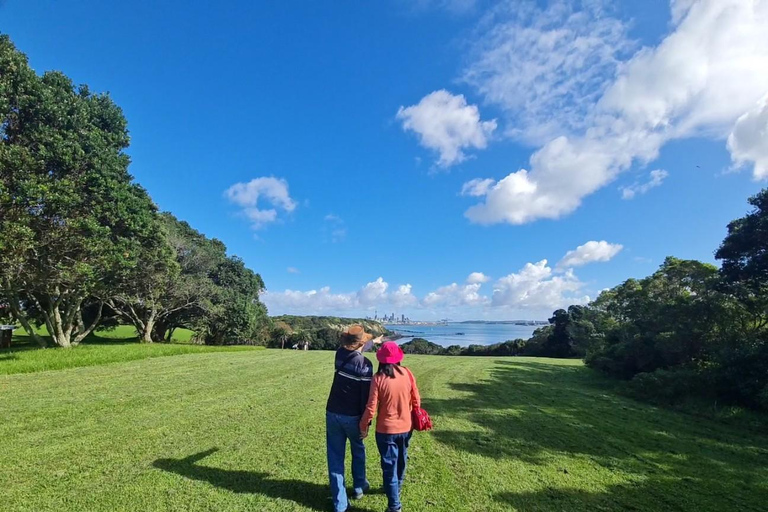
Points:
x=378, y=340
x=363, y=433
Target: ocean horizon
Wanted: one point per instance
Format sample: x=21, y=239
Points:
x=463, y=334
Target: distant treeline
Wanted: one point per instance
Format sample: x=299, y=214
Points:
x=318, y=332
x=422, y=346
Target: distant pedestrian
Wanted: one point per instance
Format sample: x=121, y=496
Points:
x=392, y=398
x=346, y=401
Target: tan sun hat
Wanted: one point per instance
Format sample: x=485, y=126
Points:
x=355, y=336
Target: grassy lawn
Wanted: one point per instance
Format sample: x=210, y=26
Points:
x=245, y=431
x=111, y=346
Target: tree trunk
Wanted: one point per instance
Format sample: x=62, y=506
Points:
x=82, y=330
x=24, y=321
x=149, y=325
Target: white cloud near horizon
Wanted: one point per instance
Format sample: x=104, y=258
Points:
x=591, y=252
x=655, y=179
x=560, y=72
x=445, y=123
x=251, y=196
x=535, y=289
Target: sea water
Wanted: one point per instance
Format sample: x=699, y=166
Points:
x=464, y=334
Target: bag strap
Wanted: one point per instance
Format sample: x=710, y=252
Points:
x=413, y=384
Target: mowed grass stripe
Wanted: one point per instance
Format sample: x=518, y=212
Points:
x=245, y=431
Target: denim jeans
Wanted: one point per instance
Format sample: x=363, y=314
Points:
x=394, y=457
x=339, y=428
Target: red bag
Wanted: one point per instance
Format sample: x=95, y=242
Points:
x=420, y=419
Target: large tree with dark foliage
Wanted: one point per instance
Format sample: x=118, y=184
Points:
x=72, y=221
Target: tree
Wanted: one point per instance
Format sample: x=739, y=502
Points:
x=281, y=331
x=144, y=297
x=71, y=220
x=744, y=255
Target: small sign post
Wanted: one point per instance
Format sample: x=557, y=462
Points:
x=6, y=333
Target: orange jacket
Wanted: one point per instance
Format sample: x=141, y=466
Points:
x=393, y=399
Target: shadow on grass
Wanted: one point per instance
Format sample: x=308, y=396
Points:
x=307, y=494
x=563, y=420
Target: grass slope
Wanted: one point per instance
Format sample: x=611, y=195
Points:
x=112, y=346
x=245, y=431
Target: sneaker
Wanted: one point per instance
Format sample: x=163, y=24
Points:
x=359, y=494
x=395, y=509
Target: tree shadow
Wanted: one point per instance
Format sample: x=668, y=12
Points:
x=537, y=413
x=310, y=495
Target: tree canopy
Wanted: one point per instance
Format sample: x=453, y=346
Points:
x=77, y=232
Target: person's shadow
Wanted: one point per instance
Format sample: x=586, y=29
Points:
x=307, y=494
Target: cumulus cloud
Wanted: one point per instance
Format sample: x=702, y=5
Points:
x=292, y=270
x=655, y=179
x=403, y=297
x=312, y=301
x=590, y=252
x=373, y=292
x=251, y=196
x=535, y=287
x=455, y=295
x=445, y=123
x=700, y=79
x=477, y=277
x=748, y=142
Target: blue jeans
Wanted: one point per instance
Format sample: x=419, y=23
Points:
x=339, y=428
x=394, y=457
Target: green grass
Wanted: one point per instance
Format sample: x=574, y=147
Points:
x=245, y=431
x=110, y=346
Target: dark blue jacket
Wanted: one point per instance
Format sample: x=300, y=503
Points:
x=351, y=383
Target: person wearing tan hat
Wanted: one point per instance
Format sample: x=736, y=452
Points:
x=346, y=402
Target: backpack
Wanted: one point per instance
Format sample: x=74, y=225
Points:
x=420, y=419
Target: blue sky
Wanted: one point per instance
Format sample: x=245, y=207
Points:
x=426, y=157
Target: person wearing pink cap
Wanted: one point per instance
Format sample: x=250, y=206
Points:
x=393, y=396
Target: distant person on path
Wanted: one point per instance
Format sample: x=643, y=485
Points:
x=393, y=396
x=349, y=394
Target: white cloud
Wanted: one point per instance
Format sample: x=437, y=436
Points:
x=477, y=277
x=251, y=196
x=698, y=81
x=445, y=123
x=335, y=227
x=535, y=287
x=545, y=67
x=373, y=292
x=590, y=252
x=534, y=290
x=748, y=142
x=655, y=179
x=477, y=187
x=293, y=270
x=455, y=295
x=452, y=6
x=402, y=297
x=312, y=301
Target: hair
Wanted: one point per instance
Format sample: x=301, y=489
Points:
x=388, y=369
